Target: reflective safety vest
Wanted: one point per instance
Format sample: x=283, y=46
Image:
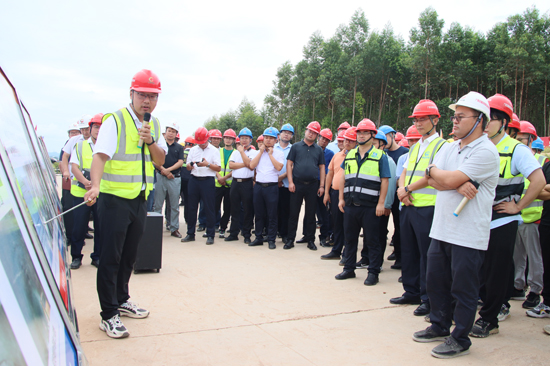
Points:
x=185, y=153
x=129, y=166
x=225, y=169
x=362, y=184
x=510, y=187
x=84, y=155
x=533, y=211
x=416, y=170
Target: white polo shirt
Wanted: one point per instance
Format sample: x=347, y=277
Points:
x=211, y=154
x=265, y=171
x=243, y=173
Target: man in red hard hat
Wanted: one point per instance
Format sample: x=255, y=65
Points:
x=123, y=172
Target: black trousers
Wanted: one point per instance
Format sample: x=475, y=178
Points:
x=495, y=271
x=307, y=192
x=396, y=238
x=453, y=274
x=241, y=193
x=338, y=223
x=223, y=193
x=416, y=223
x=383, y=240
x=122, y=222
x=80, y=228
x=68, y=220
x=205, y=190
x=544, y=232
x=185, y=198
x=355, y=219
x=283, y=210
x=324, y=216
x=265, y=207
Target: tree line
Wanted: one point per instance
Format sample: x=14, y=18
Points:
x=359, y=73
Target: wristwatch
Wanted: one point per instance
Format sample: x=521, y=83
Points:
x=428, y=170
x=208, y=166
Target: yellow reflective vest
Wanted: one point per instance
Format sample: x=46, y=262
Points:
x=130, y=166
x=362, y=184
x=416, y=170
x=84, y=154
x=510, y=187
x=533, y=211
x=225, y=169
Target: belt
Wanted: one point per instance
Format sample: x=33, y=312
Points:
x=177, y=176
x=267, y=184
x=202, y=178
x=307, y=182
x=240, y=180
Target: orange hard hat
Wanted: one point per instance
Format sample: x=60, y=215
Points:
x=146, y=81
x=326, y=133
x=412, y=133
x=314, y=126
x=260, y=138
x=399, y=136
x=366, y=125
x=340, y=136
x=344, y=126
x=98, y=119
x=527, y=127
x=425, y=107
x=230, y=133
x=502, y=103
x=514, y=123
x=215, y=133
x=190, y=140
x=404, y=143
x=351, y=134
x=201, y=135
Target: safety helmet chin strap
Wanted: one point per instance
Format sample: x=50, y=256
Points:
x=499, y=130
x=475, y=126
x=431, y=129
x=363, y=143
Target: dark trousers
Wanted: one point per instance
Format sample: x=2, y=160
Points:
x=383, y=240
x=338, y=223
x=355, y=219
x=544, y=232
x=201, y=190
x=283, y=209
x=202, y=214
x=324, y=216
x=495, y=271
x=81, y=216
x=67, y=204
x=185, y=197
x=241, y=193
x=453, y=274
x=223, y=193
x=416, y=223
x=307, y=192
x=396, y=239
x=265, y=207
x=122, y=222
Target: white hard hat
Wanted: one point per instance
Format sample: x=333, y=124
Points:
x=73, y=127
x=84, y=120
x=173, y=125
x=475, y=101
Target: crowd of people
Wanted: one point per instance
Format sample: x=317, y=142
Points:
x=471, y=225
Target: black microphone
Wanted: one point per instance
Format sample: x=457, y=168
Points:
x=464, y=200
x=146, y=119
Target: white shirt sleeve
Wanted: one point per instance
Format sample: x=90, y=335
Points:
x=69, y=146
x=74, y=159
x=107, y=138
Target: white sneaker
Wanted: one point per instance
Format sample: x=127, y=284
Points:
x=540, y=311
x=114, y=327
x=131, y=310
x=503, y=314
x=546, y=329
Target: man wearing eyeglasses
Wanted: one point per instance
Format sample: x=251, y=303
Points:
x=123, y=172
x=418, y=199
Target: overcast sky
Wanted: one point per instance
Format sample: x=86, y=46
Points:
x=71, y=58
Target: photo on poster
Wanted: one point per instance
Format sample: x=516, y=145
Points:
x=10, y=353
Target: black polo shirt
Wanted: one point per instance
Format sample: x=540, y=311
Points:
x=306, y=161
x=175, y=153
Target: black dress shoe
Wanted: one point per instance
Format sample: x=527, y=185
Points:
x=247, y=240
x=76, y=263
x=272, y=244
x=231, y=238
x=400, y=279
x=256, y=242
x=371, y=280
x=323, y=242
x=205, y=235
x=88, y=236
x=302, y=240
x=311, y=245
x=345, y=275
x=176, y=234
x=201, y=228
x=331, y=255
x=188, y=238
x=289, y=244
x=396, y=265
x=90, y=230
x=423, y=309
x=284, y=239
x=95, y=263
x=404, y=300
x=210, y=240
x=391, y=257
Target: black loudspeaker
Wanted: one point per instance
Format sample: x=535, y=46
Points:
x=149, y=255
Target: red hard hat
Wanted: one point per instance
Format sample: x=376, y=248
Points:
x=201, y=135
x=190, y=140
x=344, y=126
x=514, y=123
x=351, y=134
x=366, y=125
x=527, y=127
x=260, y=138
x=404, y=143
x=230, y=133
x=326, y=133
x=425, y=107
x=340, y=136
x=314, y=126
x=502, y=103
x=96, y=119
x=178, y=135
x=146, y=81
x=237, y=140
x=399, y=136
x=215, y=133
x=412, y=133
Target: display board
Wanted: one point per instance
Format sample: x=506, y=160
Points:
x=38, y=323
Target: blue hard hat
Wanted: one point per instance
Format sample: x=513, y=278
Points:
x=381, y=135
x=386, y=129
x=538, y=144
x=287, y=127
x=271, y=131
x=245, y=132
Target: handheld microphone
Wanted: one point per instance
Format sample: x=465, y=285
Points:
x=464, y=200
x=146, y=119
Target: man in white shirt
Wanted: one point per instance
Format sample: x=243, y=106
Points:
x=268, y=163
x=203, y=161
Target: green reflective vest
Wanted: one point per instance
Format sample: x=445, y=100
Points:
x=225, y=169
x=533, y=211
x=84, y=155
x=362, y=184
x=129, y=166
x=185, y=153
x=510, y=187
x=416, y=170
